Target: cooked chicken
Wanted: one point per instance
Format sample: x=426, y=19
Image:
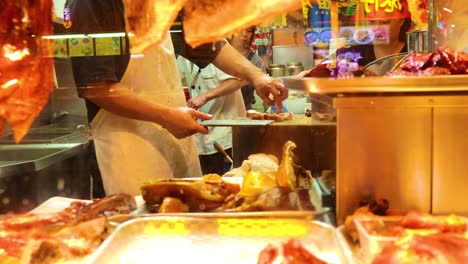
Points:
x=199, y=195
x=286, y=176
x=291, y=189
x=255, y=183
x=172, y=205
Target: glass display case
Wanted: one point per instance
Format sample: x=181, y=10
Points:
x=386, y=119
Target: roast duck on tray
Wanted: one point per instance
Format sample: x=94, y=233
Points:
x=288, y=187
x=26, y=77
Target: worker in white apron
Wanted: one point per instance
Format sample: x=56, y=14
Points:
x=225, y=103
x=131, y=152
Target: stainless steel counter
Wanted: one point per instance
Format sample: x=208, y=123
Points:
x=30, y=158
x=410, y=150
x=48, y=162
x=427, y=84
x=315, y=141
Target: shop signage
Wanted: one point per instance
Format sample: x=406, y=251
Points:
x=371, y=8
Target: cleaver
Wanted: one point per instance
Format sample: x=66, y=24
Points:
x=234, y=122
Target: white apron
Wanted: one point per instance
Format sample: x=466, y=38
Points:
x=132, y=152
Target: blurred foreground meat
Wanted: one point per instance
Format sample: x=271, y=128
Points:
x=26, y=78
x=443, y=62
x=73, y=232
x=210, y=20
x=149, y=21
x=291, y=252
x=420, y=220
x=445, y=248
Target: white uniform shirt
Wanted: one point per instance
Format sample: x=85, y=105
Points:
x=230, y=106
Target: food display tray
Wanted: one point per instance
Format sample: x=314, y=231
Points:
x=220, y=240
x=419, y=84
x=351, y=250
x=370, y=244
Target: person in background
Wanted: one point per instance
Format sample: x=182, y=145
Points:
x=242, y=42
x=217, y=93
x=395, y=25
x=136, y=104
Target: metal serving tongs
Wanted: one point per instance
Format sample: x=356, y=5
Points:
x=220, y=149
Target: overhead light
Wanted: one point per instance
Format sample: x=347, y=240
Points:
x=447, y=10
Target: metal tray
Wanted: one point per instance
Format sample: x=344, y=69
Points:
x=201, y=240
x=420, y=84
x=351, y=250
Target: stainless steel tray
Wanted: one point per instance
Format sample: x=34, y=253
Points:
x=351, y=250
x=222, y=240
x=426, y=84
x=304, y=215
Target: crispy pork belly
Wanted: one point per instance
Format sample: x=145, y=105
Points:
x=70, y=242
x=74, y=231
x=107, y=206
x=76, y=212
x=210, y=20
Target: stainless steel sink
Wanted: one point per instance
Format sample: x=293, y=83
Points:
x=26, y=158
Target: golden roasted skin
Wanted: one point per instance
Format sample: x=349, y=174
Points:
x=26, y=77
x=200, y=195
x=172, y=205
x=256, y=183
x=202, y=17
x=286, y=176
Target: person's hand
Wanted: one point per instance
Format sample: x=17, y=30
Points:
x=266, y=86
x=197, y=101
x=182, y=122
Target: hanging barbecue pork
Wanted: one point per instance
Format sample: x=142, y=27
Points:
x=210, y=20
x=148, y=22
x=26, y=79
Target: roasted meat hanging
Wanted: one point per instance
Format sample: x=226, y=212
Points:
x=210, y=20
x=26, y=79
x=149, y=21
